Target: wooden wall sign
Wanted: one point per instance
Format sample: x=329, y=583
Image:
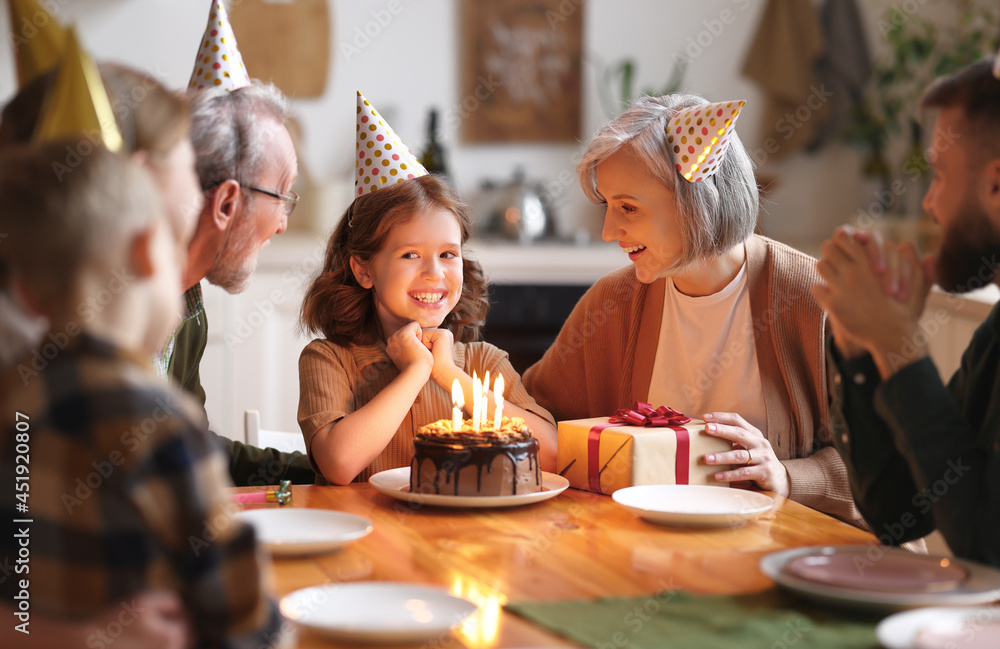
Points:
x=520, y=73
x=286, y=42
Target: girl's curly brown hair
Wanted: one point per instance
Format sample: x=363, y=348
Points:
x=342, y=310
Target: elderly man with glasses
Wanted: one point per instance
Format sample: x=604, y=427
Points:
x=247, y=166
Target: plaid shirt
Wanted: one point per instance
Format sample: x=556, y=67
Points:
x=127, y=494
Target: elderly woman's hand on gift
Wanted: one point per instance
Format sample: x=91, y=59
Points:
x=754, y=459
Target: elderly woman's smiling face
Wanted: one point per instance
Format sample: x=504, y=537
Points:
x=640, y=215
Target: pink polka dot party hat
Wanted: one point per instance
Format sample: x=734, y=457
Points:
x=381, y=158
x=699, y=137
x=219, y=63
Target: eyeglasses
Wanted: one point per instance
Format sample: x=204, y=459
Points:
x=290, y=200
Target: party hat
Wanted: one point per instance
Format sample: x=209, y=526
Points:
x=699, y=137
x=77, y=103
x=37, y=38
x=382, y=158
x=219, y=63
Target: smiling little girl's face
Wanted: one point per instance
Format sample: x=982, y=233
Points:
x=417, y=275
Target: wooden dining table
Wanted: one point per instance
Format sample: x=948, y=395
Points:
x=577, y=545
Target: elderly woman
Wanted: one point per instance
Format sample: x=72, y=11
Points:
x=711, y=319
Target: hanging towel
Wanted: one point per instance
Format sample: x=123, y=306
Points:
x=844, y=67
x=782, y=61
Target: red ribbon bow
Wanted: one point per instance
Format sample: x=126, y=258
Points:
x=643, y=414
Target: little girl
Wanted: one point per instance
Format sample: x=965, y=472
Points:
x=399, y=305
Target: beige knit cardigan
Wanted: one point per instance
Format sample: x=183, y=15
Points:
x=603, y=360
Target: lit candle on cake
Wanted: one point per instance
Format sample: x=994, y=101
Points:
x=458, y=402
x=484, y=413
x=477, y=390
x=498, y=397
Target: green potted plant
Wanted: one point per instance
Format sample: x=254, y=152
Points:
x=919, y=51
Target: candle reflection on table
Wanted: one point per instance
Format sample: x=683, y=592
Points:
x=482, y=627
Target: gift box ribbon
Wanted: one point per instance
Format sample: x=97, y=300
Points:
x=641, y=414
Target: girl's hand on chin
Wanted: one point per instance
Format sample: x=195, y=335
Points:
x=441, y=343
x=406, y=349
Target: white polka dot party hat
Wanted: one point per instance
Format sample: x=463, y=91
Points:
x=77, y=103
x=699, y=137
x=219, y=63
x=37, y=38
x=381, y=157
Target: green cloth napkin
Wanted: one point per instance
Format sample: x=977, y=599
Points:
x=767, y=620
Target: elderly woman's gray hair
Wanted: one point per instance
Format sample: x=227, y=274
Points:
x=225, y=133
x=715, y=214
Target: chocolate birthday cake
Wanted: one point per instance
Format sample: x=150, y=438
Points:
x=466, y=462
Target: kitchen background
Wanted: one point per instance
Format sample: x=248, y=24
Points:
x=519, y=86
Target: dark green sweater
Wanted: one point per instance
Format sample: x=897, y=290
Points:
x=248, y=465
x=922, y=455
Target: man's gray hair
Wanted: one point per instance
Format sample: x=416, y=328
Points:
x=225, y=130
x=715, y=214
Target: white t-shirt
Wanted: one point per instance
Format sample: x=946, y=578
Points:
x=705, y=358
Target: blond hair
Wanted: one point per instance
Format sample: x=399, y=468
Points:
x=60, y=222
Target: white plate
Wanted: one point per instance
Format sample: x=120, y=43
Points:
x=396, y=483
x=374, y=611
x=957, y=627
x=981, y=586
x=291, y=531
x=693, y=505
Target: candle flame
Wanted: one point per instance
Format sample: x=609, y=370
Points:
x=484, y=411
x=477, y=391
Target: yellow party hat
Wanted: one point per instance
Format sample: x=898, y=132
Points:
x=381, y=157
x=699, y=137
x=77, y=103
x=37, y=38
x=219, y=63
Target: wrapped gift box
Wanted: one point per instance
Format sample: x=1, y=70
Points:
x=602, y=457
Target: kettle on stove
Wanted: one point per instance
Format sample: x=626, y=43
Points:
x=516, y=210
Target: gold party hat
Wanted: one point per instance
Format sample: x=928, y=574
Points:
x=381, y=158
x=37, y=38
x=699, y=137
x=77, y=103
